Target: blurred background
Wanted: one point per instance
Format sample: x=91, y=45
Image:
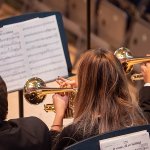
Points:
x=113, y=23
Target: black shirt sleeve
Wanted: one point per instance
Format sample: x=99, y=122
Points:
x=28, y=133
x=144, y=101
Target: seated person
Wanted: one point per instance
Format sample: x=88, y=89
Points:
x=103, y=102
x=144, y=95
x=21, y=134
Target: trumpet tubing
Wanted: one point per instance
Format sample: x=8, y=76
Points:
x=128, y=64
x=136, y=77
x=127, y=60
x=35, y=92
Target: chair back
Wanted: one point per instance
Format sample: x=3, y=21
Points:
x=92, y=143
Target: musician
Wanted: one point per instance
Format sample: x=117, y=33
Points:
x=103, y=102
x=21, y=134
x=144, y=94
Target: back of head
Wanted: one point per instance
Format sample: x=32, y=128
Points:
x=3, y=100
x=103, y=92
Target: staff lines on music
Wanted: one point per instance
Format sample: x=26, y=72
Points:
x=16, y=73
x=39, y=60
x=49, y=64
x=10, y=45
x=43, y=52
x=39, y=25
x=39, y=32
x=31, y=48
x=12, y=68
x=6, y=63
x=42, y=39
x=43, y=46
x=3, y=59
x=16, y=49
x=9, y=38
x=50, y=70
x=15, y=77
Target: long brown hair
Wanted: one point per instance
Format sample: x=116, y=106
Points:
x=103, y=102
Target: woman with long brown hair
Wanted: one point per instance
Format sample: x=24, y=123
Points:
x=103, y=102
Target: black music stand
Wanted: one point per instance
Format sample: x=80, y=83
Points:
x=25, y=17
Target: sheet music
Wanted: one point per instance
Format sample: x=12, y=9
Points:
x=29, y=49
x=134, y=141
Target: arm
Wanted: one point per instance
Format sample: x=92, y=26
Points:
x=60, y=103
x=61, y=138
x=66, y=83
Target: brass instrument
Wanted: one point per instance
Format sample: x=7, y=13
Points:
x=35, y=91
x=127, y=60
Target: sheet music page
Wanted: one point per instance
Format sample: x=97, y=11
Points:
x=44, y=50
x=31, y=49
x=134, y=141
x=12, y=63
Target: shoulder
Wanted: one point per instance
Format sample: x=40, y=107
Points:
x=33, y=120
x=29, y=123
x=30, y=130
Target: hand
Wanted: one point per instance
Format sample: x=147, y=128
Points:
x=60, y=103
x=145, y=70
x=66, y=83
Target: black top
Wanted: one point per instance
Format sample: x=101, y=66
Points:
x=144, y=101
x=24, y=134
x=68, y=136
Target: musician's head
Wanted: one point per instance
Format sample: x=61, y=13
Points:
x=100, y=73
x=103, y=90
x=3, y=100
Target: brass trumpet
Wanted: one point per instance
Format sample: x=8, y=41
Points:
x=35, y=91
x=127, y=60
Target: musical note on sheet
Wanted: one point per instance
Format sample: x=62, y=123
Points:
x=11, y=56
x=31, y=48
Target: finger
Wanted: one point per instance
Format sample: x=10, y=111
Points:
x=59, y=81
x=143, y=67
x=67, y=81
x=148, y=64
x=62, y=79
x=54, y=96
x=62, y=84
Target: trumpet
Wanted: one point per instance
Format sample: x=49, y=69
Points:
x=127, y=60
x=35, y=92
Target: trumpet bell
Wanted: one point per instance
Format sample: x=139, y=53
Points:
x=127, y=60
x=32, y=90
x=123, y=54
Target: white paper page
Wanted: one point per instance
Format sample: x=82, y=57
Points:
x=134, y=141
x=29, y=49
x=12, y=63
x=44, y=49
